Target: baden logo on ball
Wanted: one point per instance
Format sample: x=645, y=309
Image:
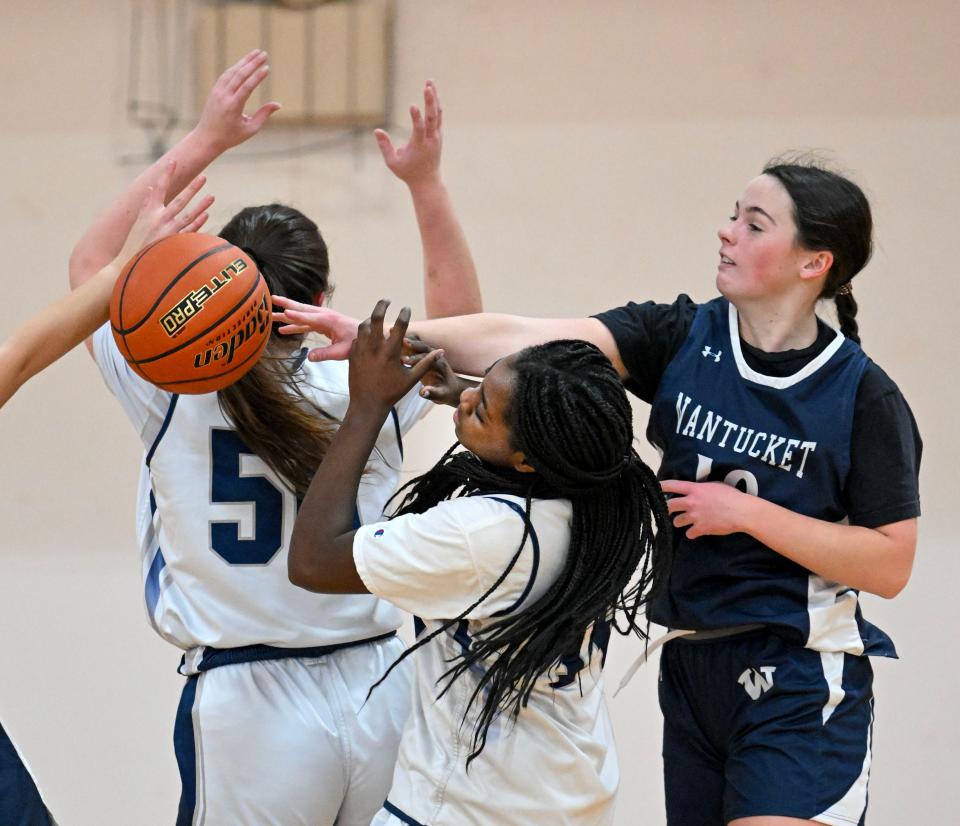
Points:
x=191, y=313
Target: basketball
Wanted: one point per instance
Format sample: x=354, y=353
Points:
x=191, y=313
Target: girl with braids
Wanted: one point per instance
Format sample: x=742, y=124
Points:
x=791, y=463
x=517, y=554
x=272, y=727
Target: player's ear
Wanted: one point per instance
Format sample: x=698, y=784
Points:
x=520, y=463
x=816, y=264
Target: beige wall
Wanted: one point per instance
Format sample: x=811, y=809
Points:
x=593, y=148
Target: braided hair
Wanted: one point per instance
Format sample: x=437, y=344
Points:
x=570, y=417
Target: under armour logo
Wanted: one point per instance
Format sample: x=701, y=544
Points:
x=706, y=351
x=756, y=681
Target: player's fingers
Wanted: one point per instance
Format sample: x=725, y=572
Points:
x=196, y=223
x=385, y=146
x=677, y=504
x=426, y=364
x=676, y=486
x=436, y=98
x=432, y=110
x=246, y=69
x=290, y=304
x=412, y=346
x=399, y=329
x=682, y=520
x=301, y=319
x=226, y=80
x=179, y=202
x=188, y=216
x=259, y=117
x=417, y=120
x=246, y=88
x=158, y=192
x=293, y=329
x=413, y=360
x=375, y=322
x=334, y=352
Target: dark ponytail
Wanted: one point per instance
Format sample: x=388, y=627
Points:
x=570, y=417
x=831, y=213
x=266, y=407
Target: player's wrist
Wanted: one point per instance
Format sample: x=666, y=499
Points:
x=750, y=514
x=426, y=185
x=205, y=144
x=366, y=412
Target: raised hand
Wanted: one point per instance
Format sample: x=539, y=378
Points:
x=378, y=378
x=298, y=319
x=419, y=159
x=223, y=122
x=156, y=221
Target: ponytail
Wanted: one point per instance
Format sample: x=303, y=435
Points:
x=267, y=407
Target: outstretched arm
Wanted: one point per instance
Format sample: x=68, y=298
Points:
x=58, y=328
x=450, y=284
x=222, y=125
x=471, y=343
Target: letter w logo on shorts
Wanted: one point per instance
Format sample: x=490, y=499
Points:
x=757, y=681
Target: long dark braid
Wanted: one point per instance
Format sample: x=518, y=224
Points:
x=570, y=417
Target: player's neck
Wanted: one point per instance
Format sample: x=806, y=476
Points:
x=775, y=326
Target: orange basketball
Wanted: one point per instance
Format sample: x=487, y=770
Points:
x=191, y=313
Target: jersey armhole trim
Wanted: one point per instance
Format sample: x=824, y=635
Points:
x=535, y=543
x=396, y=426
x=401, y=815
x=163, y=428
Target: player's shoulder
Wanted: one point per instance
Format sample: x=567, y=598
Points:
x=326, y=382
x=876, y=384
x=482, y=512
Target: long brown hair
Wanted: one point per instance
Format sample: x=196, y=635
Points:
x=267, y=407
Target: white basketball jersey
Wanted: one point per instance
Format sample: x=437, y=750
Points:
x=558, y=762
x=214, y=522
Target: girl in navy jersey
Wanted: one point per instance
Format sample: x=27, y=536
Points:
x=791, y=460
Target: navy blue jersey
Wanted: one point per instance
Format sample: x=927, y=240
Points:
x=786, y=439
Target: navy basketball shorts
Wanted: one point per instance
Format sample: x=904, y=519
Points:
x=20, y=802
x=754, y=725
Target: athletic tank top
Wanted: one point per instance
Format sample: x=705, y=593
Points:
x=786, y=439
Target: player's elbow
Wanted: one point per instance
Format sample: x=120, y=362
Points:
x=894, y=584
x=898, y=565
x=300, y=570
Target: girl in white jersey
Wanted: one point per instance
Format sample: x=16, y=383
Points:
x=516, y=554
x=36, y=344
x=792, y=463
x=272, y=727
